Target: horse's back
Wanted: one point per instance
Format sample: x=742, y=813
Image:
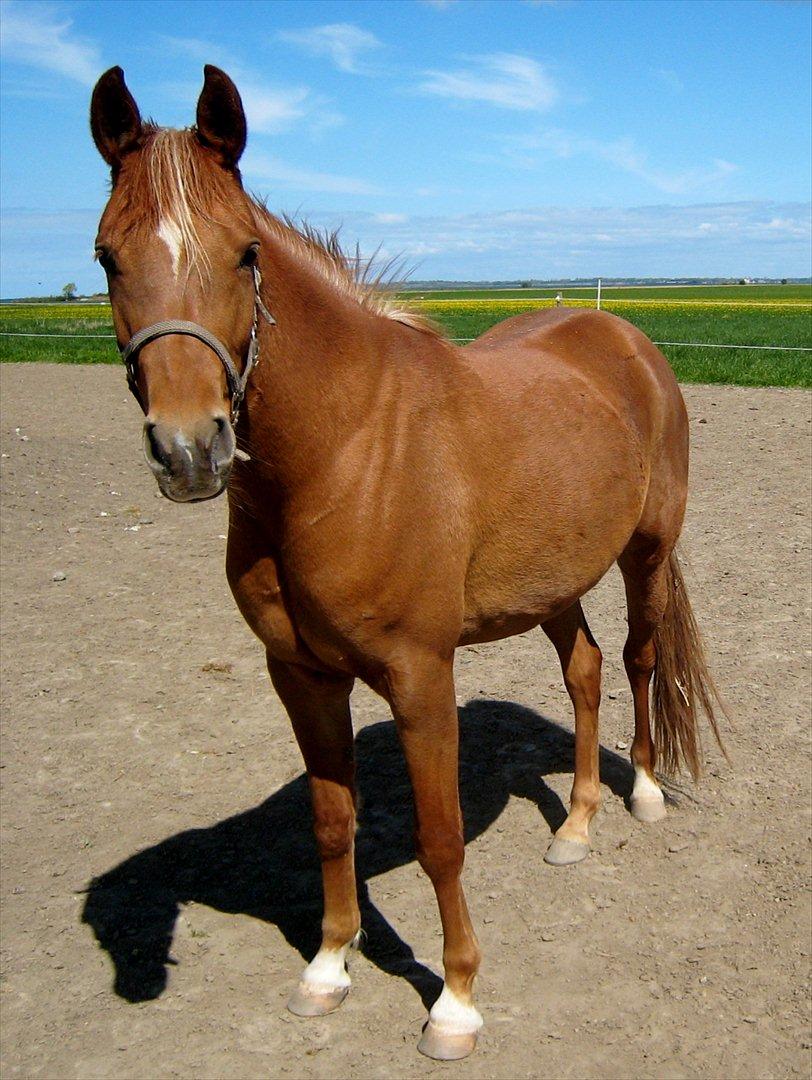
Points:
x=586, y=356
x=603, y=349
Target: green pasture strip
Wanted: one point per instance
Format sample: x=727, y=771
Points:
x=58, y=312
x=93, y=320
x=725, y=325
x=796, y=292
x=57, y=351
x=732, y=323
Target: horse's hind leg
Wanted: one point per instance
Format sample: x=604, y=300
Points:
x=581, y=663
x=318, y=706
x=646, y=597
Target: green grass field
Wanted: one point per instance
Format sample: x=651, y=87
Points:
x=682, y=293
x=728, y=323
x=72, y=320
x=742, y=315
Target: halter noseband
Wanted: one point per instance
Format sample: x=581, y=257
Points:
x=236, y=382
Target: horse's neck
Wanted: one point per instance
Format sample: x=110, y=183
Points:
x=319, y=370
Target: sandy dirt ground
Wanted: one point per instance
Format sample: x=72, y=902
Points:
x=160, y=888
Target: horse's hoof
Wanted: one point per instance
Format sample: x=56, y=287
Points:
x=563, y=852
x=443, y=1046
x=649, y=808
x=305, y=1001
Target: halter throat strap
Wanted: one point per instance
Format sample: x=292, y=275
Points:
x=235, y=381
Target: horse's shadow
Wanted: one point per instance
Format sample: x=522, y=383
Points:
x=263, y=862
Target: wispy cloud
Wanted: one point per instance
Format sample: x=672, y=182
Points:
x=525, y=151
x=268, y=109
x=260, y=167
x=272, y=110
x=346, y=45
x=507, y=80
x=39, y=36
x=670, y=79
x=713, y=239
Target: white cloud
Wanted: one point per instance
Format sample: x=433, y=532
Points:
x=507, y=80
x=205, y=52
x=272, y=110
x=268, y=109
x=344, y=44
x=525, y=151
x=272, y=170
x=37, y=35
x=715, y=239
x=670, y=79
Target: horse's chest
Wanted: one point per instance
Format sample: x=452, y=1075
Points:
x=290, y=625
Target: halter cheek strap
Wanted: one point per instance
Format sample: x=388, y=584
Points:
x=235, y=381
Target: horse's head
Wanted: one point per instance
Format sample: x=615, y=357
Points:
x=178, y=243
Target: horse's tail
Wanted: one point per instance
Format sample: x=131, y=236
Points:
x=682, y=681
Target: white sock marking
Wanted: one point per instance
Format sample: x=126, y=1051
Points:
x=644, y=786
x=452, y=1016
x=326, y=971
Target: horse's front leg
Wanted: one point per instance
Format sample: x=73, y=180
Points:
x=319, y=709
x=421, y=692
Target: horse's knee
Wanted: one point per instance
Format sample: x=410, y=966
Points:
x=334, y=836
x=441, y=854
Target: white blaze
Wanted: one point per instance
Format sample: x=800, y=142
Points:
x=169, y=232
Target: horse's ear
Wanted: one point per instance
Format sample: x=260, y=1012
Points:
x=220, y=117
x=114, y=118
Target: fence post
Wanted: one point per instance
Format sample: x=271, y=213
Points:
x=599, y=294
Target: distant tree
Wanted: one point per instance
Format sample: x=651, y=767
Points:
x=527, y=285
x=783, y=281
x=69, y=291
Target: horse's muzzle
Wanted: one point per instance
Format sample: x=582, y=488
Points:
x=191, y=462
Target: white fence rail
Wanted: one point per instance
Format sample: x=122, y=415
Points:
x=557, y=300
x=458, y=340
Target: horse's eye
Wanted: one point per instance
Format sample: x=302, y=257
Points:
x=251, y=253
x=105, y=259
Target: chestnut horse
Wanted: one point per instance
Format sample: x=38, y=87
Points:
x=393, y=496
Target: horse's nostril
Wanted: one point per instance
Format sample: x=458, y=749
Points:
x=158, y=452
x=222, y=444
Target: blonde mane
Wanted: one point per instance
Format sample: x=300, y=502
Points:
x=175, y=183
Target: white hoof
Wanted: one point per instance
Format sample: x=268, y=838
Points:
x=324, y=984
x=647, y=802
x=452, y=1030
x=307, y=1001
x=441, y=1046
x=562, y=852
x=647, y=809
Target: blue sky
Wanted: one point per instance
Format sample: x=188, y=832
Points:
x=478, y=138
